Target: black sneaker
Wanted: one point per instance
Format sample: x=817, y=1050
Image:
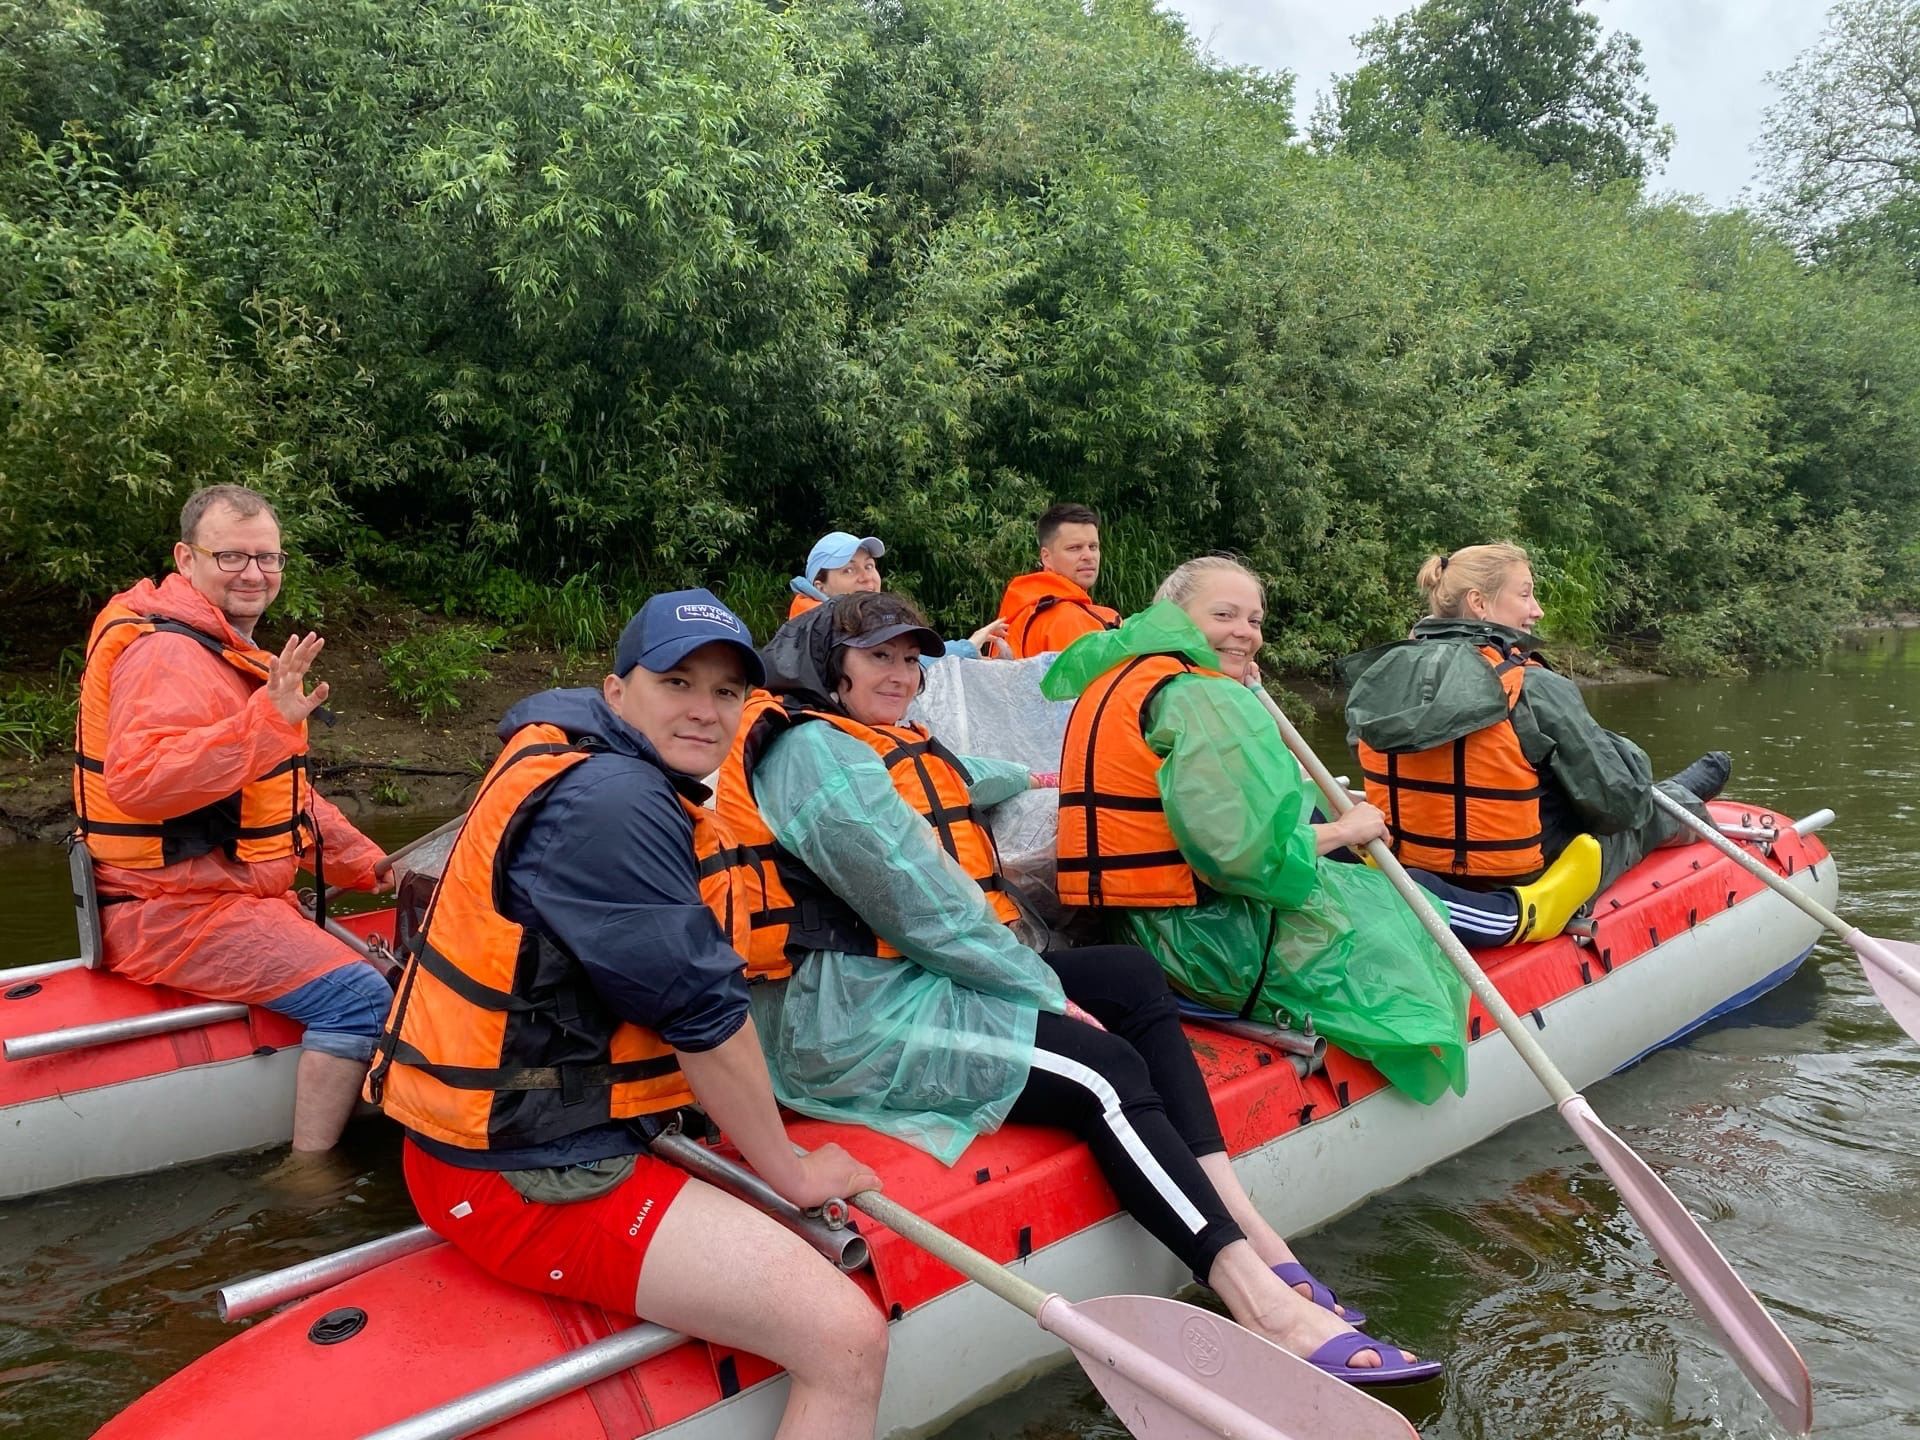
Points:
x=1707, y=776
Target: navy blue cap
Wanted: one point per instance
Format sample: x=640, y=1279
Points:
x=671, y=627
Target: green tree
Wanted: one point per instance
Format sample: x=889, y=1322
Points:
x=1531, y=76
x=1841, y=146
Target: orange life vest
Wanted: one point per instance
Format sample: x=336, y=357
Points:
x=266, y=819
x=1116, y=846
x=792, y=910
x=1468, y=807
x=801, y=604
x=496, y=1038
x=1032, y=597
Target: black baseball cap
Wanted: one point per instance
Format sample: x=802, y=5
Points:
x=895, y=620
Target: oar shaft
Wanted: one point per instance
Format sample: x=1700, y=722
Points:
x=1784, y=887
x=985, y=1273
x=845, y=1248
x=1410, y=891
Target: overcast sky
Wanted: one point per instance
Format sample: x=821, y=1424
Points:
x=1705, y=60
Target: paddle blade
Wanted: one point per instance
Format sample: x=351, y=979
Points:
x=1893, y=969
x=1719, y=1295
x=1173, y=1371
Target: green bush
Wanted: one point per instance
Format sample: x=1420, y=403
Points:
x=427, y=671
x=571, y=300
x=37, y=720
x=389, y=791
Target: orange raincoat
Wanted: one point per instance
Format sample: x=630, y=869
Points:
x=1045, y=611
x=185, y=729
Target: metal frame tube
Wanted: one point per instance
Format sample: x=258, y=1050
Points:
x=846, y=1248
x=34, y=972
x=130, y=1027
x=517, y=1394
x=1765, y=834
x=245, y=1298
x=1309, y=1050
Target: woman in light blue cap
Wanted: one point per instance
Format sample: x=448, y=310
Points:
x=842, y=563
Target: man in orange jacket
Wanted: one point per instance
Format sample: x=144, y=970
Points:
x=191, y=785
x=1052, y=607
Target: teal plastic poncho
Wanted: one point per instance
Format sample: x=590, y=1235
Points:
x=933, y=1047
x=1290, y=931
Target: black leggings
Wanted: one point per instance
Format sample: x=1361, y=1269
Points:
x=1134, y=1094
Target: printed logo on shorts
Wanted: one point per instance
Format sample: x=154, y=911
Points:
x=640, y=1219
x=712, y=614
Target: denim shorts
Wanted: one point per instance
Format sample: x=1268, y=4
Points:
x=343, y=1010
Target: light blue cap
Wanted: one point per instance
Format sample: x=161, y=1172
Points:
x=838, y=548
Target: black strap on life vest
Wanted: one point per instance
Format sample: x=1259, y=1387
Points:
x=1459, y=790
x=941, y=816
x=570, y=1080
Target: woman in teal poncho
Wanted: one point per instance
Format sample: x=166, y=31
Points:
x=1181, y=806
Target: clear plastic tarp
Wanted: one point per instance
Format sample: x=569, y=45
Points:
x=995, y=708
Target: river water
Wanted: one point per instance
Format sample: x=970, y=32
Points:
x=1792, y=1129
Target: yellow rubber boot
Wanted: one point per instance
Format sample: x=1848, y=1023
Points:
x=1551, y=901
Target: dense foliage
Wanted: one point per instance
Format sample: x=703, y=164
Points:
x=1531, y=76
x=523, y=307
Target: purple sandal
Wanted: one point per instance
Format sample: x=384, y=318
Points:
x=1292, y=1272
x=1333, y=1356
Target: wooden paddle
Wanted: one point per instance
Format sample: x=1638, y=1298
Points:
x=1719, y=1296
x=1892, y=966
x=1170, y=1371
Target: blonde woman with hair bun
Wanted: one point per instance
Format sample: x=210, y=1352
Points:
x=1485, y=760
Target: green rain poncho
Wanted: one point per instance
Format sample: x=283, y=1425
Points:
x=1283, y=929
x=934, y=1047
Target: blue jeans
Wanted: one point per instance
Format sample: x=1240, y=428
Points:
x=343, y=1010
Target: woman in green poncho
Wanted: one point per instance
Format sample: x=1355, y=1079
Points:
x=1180, y=805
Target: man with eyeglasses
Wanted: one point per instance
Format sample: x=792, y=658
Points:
x=193, y=797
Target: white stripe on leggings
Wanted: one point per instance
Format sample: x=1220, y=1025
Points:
x=1482, y=922
x=1124, y=1132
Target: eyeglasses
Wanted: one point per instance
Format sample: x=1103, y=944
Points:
x=234, y=561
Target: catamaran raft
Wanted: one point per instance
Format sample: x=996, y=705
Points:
x=1685, y=937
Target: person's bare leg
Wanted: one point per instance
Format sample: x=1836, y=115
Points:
x=325, y=1090
x=1267, y=1242
x=725, y=1272
x=1256, y=1298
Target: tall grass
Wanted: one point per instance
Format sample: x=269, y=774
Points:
x=37, y=720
